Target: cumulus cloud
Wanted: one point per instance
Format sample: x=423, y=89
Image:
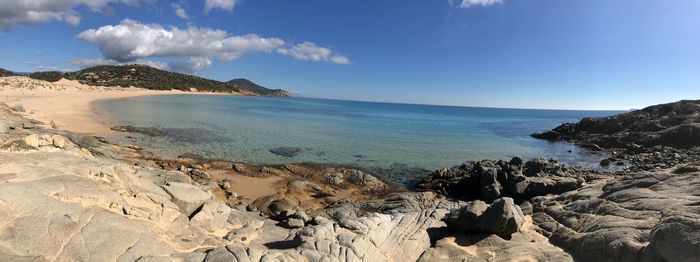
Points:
x=28, y=12
x=312, y=52
x=180, y=12
x=192, y=65
x=226, y=5
x=472, y=3
x=131, y=41
x=90, y=62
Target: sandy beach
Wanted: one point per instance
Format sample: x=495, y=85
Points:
x=67, y=103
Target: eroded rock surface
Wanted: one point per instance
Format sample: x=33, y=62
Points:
x=635, y=217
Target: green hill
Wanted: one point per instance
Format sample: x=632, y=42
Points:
x=4, y=72
x=246, y=84
x=152, y=78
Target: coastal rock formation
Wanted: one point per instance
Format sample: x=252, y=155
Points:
x=675, y=125
x=635, y=217
x=488, y=180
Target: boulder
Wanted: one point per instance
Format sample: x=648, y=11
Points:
x=59, y=141
x=502, y=218
x=334, y=179
x=32, y=140
x=293, y=223
x=276, y=207
x=360, y=178
x=677, y=237
x=187, y=197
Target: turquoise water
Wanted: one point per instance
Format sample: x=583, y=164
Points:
x=397, y=141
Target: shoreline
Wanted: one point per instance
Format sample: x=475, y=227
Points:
x=70, y=104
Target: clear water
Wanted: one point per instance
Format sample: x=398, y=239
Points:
x=397, y=141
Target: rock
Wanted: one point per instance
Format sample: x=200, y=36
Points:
x=614, y=220
x=502, y=218
x=490, y=188
x=334, y=179
x=32, y=140
x=59, y=141
x=212, y=217
x=200, y=174
x=276, y=207
x=677, y=237
x=605, y=162
x=28, y=125
x=45, y=140
x=286, y=151
x=466, y=218
x=187, y=197
x=293, y=223
x=358, y=177
x=487, y=180
x=239, y=167
x=226, y=185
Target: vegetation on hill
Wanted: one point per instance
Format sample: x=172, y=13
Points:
x=152, y=78
x=4, y=72
x=51, y=76
x=255, y=88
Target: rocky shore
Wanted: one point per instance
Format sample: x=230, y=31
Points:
x=75, y=197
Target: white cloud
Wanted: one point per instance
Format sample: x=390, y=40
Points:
x=90, y=62
x=132, y=40
x=471, y=3
x=192, y=65
x=28, y=12
x=226, y=5
x=180, y=12
x=312, y=52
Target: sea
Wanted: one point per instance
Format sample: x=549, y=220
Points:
x=398, y=142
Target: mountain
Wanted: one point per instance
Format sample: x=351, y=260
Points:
x=152, y=78
x=4, y=72
x=255, y=88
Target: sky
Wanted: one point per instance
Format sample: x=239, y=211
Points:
x=559, y=54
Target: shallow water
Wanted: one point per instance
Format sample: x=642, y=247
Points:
x=398, y=141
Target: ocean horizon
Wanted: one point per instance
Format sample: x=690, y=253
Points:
x=399, y=142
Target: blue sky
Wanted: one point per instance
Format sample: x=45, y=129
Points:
x=574, y=54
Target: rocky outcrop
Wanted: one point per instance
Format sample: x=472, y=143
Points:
x=675, y=125
x=489, y=180
x=634, y=217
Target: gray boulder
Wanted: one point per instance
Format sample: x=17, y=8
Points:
x=677, y=237
x=502, y=218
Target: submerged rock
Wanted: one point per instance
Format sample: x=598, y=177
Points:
x=286, y=151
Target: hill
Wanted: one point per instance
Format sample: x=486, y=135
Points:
x=4, y=72
x=152, y=78
x=674, y=125
x=255, y=88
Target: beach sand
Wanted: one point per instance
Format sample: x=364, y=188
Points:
x=67, y=103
